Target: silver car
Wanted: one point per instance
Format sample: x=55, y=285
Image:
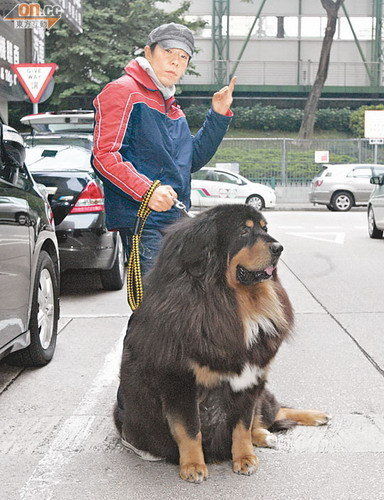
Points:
x=341, y=187
x=376, y=208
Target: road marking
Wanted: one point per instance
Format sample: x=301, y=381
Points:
x=338, y=238
x=74, y=431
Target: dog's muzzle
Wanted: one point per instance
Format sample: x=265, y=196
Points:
x=246, y=277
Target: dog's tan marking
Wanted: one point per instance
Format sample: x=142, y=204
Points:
x=244, y=461
x=303, y=417
x=192, y=464
x=260, y=303
x=205, y=376
x=262, y=223
x=249, y=223
x=254, y=258
x=260, y=435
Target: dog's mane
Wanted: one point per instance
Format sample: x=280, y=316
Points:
x=198, y=315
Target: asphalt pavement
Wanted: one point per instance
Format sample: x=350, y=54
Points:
x=57, y=436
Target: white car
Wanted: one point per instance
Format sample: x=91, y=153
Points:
x=212, y=186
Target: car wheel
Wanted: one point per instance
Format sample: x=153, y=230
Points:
x=255, y=201
x=372, y=228
x=342, y=202
x=44, y=317
x=113, y=279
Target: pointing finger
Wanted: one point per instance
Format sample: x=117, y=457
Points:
x=232, y=83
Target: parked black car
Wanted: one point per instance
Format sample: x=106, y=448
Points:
x=77, y=200
x=29, y=261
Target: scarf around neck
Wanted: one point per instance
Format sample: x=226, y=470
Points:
x=146, y=65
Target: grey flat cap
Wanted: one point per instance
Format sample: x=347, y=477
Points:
x=173, y=36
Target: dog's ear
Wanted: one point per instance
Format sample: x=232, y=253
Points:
x=196, y=245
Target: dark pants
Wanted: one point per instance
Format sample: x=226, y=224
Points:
x=150, y=242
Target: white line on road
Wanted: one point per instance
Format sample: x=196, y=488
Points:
x=338, y=238
x=74, y=431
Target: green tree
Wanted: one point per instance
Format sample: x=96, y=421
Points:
x=114, y=31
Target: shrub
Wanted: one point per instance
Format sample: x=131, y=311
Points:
x=333, y=119
x=259, y=117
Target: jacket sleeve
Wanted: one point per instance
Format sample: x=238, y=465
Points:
x=112, y=112
x=209, y=137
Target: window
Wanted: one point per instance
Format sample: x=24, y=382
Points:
x=361, y=172
x=200, y=175
x=224, y=177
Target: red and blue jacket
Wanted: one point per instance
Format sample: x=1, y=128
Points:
x=140, y=137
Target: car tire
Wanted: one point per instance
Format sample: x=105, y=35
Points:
x=255, y=201
x=113, y=279
x=342, y=201
x=372, y=228
x=44, y=317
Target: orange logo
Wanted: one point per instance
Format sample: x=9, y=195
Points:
x=30, y=15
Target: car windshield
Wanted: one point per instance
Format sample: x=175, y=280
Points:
x=53, y=158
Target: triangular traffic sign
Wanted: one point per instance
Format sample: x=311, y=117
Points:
x=34, y=78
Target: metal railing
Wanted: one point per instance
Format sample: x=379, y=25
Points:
x=289, y=162
x=340, y=74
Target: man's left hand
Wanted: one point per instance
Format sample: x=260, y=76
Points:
x=222, y=100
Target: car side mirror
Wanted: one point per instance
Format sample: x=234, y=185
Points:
x=376, y=180
x=239, y=182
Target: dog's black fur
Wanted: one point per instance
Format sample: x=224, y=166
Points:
x=190, y=330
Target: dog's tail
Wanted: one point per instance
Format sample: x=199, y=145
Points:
x=282, y=425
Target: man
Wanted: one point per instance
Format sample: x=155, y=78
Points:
x=141, y=135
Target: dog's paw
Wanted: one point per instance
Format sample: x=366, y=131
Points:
x=194, y=473
x=264, y=439
x=315, y=418
x=246, y=465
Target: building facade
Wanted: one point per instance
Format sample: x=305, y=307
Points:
x=274, y=45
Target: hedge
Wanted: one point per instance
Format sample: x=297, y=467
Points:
x=260, y=117
x=265, y=163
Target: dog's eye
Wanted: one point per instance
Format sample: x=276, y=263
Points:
x=265, y=228
x=245, y=230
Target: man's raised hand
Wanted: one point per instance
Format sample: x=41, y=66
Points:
x=222, y=99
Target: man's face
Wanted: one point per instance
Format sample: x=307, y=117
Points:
x=168, y=64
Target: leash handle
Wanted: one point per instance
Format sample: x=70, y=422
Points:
x=134, y=277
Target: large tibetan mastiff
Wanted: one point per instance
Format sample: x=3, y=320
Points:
x=197, y=352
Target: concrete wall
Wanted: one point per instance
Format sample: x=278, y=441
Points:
x=274, y=61
x=274, y=7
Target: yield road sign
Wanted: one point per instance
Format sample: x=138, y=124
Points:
x=34, y=78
